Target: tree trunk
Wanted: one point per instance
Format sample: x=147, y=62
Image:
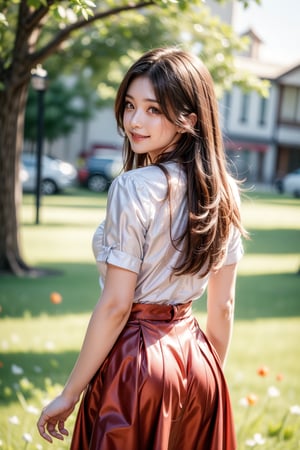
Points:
x=11, y=139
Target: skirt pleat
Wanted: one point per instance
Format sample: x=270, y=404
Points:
x=160, y=388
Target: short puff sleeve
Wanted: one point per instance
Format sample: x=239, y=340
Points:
x=120, y=240
x=235, y=248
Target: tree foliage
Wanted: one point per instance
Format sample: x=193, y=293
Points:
x=65, y=105
x=117, y=34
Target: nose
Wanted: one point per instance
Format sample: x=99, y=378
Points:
x=136, y=119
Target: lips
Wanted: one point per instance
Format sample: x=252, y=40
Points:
x=138, y=137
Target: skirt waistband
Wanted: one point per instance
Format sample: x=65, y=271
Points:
x=152, y=311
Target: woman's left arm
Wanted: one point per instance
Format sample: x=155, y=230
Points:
x=220, y=308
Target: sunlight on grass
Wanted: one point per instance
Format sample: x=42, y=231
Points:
x=257, y=264
x=75, y=245
x=24, y=334
x=287, y=216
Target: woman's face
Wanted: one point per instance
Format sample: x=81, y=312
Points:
x=146, y=127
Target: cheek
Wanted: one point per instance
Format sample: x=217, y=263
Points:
x=168, y=131
x=125, y=120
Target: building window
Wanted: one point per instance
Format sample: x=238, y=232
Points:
x=298, y=108
x=245, y=108
x=263, y=111
x=226, y=107
x=290, y=105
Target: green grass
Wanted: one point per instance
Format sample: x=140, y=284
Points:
x=43, y=339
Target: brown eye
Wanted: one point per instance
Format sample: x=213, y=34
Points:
x=154, y=110
x=128, y=105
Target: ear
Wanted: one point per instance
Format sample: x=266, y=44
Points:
x=189, y=121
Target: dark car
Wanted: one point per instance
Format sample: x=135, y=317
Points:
x=99, y=171
x=289, y=184
x=96, y=149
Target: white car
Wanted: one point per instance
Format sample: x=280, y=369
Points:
x=290, y=183
x=56, y=175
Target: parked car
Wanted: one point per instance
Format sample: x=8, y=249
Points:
x=56, y=175
x=289, y=184
x=99, y=171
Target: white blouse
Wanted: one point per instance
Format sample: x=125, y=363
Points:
x=136, y=235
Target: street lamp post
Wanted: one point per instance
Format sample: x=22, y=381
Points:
x=39, y=83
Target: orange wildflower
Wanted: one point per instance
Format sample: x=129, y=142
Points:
x=279, y=377
x=55, y=298
x=251, y=399
x=263, y=371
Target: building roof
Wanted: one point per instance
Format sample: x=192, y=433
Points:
x=261, y=69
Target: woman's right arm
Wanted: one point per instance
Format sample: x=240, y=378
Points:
x=107, y=321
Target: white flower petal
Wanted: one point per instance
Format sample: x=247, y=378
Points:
x=27, y=437
x=14, y=420
x=32, y=409
x=259, y=439
x=295, y=409
x=273, y=392
x=244, y=402
x=16, y=370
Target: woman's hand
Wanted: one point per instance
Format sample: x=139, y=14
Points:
x=53, y=417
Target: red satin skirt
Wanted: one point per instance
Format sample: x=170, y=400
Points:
x=160, y=388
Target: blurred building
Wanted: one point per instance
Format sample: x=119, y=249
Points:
x=262, y=135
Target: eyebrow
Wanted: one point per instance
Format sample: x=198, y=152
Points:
x=144, y=99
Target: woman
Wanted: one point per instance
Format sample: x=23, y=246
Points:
x=152, y=379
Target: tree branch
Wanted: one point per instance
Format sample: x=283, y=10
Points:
x=35, y=18
x=48, y=49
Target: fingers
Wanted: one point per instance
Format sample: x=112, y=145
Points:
x=62, y=429
x=41, y=427
x=49, y=424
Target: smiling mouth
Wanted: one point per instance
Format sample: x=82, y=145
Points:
x=138, y=137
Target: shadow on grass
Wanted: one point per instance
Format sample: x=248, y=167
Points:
x=37, y=369
x=268, y=296
x=258, y=296
x=264, y=296
x=273, y=241
x=30, y=297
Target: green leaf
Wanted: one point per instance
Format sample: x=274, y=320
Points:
x=90, y=3
x=61, y=11
x=3, y=19
x=85, y=14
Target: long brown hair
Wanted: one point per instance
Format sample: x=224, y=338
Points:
x=183, y=85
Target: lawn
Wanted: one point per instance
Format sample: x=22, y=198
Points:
x=39, y=340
